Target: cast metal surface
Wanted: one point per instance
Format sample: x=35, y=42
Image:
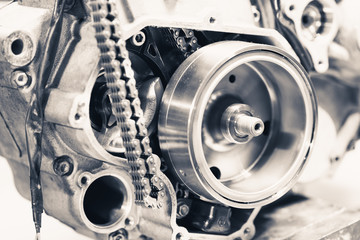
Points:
x=316, y=24
x=168, y=119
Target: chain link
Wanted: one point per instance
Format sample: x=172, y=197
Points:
x=114, y=59
x=185, y=40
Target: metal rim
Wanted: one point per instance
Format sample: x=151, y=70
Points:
x=123, y=209
x=196, y=173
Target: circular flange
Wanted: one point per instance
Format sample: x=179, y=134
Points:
x=316, y=23
x=215, y=77
x=106, y=200
x=19, y=49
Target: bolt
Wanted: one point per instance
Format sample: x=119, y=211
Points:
x=129, y=221
x=247, y=231
x=222, y=222
x=20, y=78
x=138, y=39
x=119, y=235
x=183, y=210
x=63, y=166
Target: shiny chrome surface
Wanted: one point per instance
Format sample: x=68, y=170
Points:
x=238, y=124
x=279, y=92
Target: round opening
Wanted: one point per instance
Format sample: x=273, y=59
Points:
x=17, y=46
x=77, y=116
x=139, y=38
x=21, y=78
x=104, y=200
x=84, y=180
x=232, y=78
x=315, y=20
x=216, y=172
x=257, y=126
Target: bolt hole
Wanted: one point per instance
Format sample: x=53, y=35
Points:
x=77, y=116
x=216, y=172
x=139, y=38
x=212, y=20
x=257, y=127
x=17, y=46
x=129, y=222
x=103, y=201
x=84, y=180
x=232, y=78
x=307, y=20
x=247, y=231
x=179, y=236
x=21, y=78
x=292, y=7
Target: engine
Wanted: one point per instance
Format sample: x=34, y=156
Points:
x=172, y=119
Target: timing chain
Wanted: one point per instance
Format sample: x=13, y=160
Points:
x=185, y=40
x=125, y=103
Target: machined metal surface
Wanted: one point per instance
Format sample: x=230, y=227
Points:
x=239, y=125
x=237, y=175
x=216, y=90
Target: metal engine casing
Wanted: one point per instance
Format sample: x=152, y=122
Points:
x=74, y=161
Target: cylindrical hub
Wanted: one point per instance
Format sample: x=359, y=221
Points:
x=239, y=125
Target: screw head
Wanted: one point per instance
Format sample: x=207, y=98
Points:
x=129, y=221
x=247, y=231
x=182, y=210
x=138, y=39
x=20, y=78
x=119, y=235
x=63, y=166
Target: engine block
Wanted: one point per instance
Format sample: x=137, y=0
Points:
x=170, y=119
